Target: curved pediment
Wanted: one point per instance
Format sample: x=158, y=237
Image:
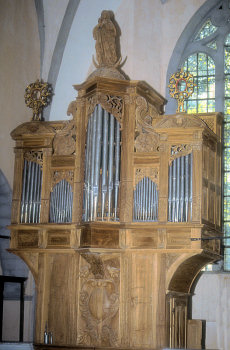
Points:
x=181, y=120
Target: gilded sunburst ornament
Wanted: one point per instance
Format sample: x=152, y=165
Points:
x=37, y=96
x=181, y=87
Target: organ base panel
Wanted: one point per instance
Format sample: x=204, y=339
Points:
x=115, y=213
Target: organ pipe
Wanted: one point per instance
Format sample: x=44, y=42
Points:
x=180, y=189
x=102, y=167
x=61, y=201
x=145, y=201
x=31, y=192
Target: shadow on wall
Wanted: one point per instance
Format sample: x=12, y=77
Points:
x=10, y=263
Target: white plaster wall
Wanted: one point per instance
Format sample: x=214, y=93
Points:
x=19, y=66
x=211, y=302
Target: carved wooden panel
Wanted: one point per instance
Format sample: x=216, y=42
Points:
x=99, y=300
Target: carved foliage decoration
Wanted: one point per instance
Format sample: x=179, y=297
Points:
x=64, y=142
x=151, y=173
x=112, y=104
x=99, y=300
x=179, y=151
x=34, y=156
x=59, y=175
x=147, y=140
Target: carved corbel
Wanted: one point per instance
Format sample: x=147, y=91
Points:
x=64, y=142
x=147, y=140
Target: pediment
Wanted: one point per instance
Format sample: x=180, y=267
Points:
x=32, y=128
x=181, y=120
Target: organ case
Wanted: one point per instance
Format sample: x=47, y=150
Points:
x=116, y=212
x=129, y=235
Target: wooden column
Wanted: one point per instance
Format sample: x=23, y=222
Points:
x=127, y=150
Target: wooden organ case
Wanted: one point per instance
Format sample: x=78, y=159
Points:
x=110, y=211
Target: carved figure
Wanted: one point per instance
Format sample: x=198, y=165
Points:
x=105, y=35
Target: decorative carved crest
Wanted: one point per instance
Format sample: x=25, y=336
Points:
x=65, y=139
x=112, y=104
x=34, y=156
x=147, y=139
x=151, y=173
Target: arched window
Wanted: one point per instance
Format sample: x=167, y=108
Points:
x=204, y=50
x=202, y=67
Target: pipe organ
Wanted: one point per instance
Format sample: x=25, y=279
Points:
x=102, y=167
x=115, y=212
x=31, y=192
x=180, y=189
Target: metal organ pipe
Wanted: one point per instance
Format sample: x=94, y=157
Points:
x=145, y=201
x=102, y=167
x=180, y=189
x=31, y=192
x=117, y=167
x=104, y=162
x=61, y=200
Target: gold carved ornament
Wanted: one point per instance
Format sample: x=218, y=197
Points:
x=37, y=96
x=181, y=87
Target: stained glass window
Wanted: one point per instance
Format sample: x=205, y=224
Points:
x=212, y=45
x=206, y=30
x=202, y=67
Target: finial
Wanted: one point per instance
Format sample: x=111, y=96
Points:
x=37, y=96
x=181, y=86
